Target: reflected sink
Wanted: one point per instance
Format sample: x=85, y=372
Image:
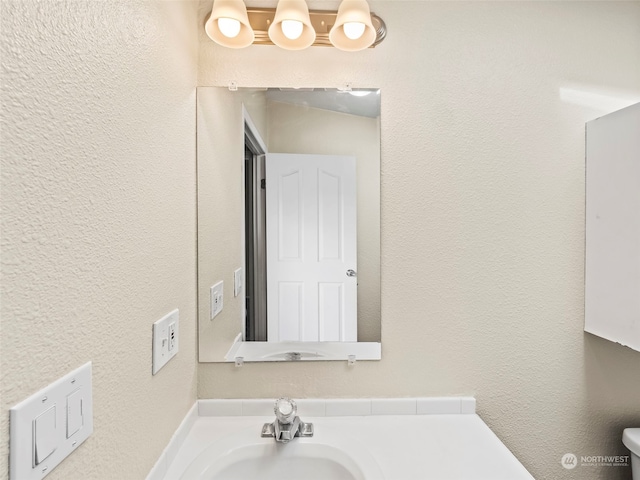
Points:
x=245, y=455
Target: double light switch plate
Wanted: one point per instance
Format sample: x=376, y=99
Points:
x=49, y=425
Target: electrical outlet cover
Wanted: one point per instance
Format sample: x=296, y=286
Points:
x=172, y=337
x=165, y=339
x=217, y=299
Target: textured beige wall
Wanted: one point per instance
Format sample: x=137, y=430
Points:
x=324, y=132
x=482, y=217
x=98, y=216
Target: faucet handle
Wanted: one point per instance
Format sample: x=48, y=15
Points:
x=285, y=410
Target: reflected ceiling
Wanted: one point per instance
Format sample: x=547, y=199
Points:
x=360, y=102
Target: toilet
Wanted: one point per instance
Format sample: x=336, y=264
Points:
x=631, y=440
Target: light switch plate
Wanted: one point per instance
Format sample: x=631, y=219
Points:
x=165, y=340
x=237, y=282
x=75, y=417
x=217, y=299
x=45, y=435
x=48, y=432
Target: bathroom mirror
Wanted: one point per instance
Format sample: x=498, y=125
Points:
x=288, y=224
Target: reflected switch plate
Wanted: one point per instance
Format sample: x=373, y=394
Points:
x=237, y=282
x=217, y=299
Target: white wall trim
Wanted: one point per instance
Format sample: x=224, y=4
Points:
x=342, y=407
x=250, y=124
x=159, y=470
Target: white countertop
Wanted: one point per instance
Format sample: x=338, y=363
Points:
x=420, y=447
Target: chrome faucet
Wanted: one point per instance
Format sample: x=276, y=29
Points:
x=287, y=424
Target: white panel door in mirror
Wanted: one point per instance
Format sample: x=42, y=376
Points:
x=311, y=247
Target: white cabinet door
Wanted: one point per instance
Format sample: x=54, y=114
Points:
x=311, y=246
x=612, y=273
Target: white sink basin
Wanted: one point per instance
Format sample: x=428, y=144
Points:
x=245, y=455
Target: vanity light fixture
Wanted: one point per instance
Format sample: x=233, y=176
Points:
x=228, y=24
x=293, y=26
x=353, y=29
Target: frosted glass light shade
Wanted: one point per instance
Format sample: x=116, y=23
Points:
x=354, y=30
x=233, y=9
x=296, y=10
x=353, y=11
x=230, y=27
x=292, y=29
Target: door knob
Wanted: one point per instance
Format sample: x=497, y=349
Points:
x=351, y=273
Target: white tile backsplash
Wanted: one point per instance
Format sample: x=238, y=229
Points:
x=439, y=405
x=219, y=408
x=394, y=406
x=350, y=407
x=181, y=433
x=159, y=470
x=311, y=408
x=258, y=407
x=341, y=407
x=468, y=405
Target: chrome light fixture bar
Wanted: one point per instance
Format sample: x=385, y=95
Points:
x=351, y=28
